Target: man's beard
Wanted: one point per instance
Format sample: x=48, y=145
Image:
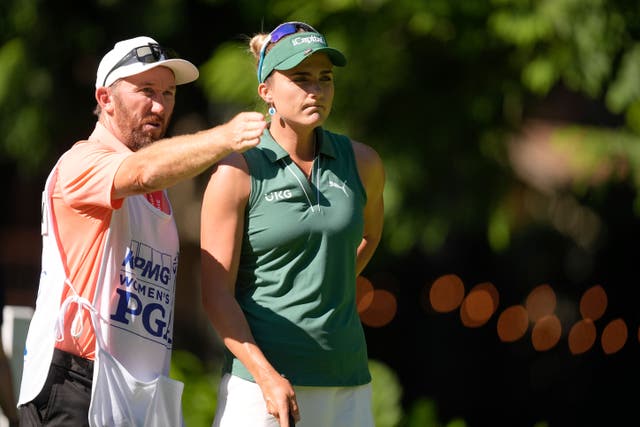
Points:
x=132, y=128
x=137, y=138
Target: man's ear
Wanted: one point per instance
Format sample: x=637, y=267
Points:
x=104, y=98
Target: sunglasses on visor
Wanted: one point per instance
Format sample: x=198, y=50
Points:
x=144, y=54
x=279, y=32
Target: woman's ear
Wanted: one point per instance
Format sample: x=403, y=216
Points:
x=265, y=93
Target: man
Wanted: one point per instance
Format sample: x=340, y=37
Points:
x=99, y=344
x=7, y=396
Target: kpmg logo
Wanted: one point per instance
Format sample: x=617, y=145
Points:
x=148, y=268
x=143, y=301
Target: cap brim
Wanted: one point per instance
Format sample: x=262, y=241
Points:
x=335, y=56
x=183, y=70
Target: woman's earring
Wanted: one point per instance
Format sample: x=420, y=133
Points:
x=272, y=110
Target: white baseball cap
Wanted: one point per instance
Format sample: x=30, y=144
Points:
x=139, y=54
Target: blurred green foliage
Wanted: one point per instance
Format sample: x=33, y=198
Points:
x=437, y=87
x=440, y=88
x=200, y=392
x=386, y=395
x=424, y=413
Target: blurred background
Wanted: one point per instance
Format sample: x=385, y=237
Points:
x=505, y=290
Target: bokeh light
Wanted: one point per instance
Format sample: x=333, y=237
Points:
x=593, y=303
x=382, y=309
x=364, y=293
x=582, y=336
x=540, y=302
x=513, y=323
x=446, y=293
x=546, y=332
x=614, y=336
x=479, y=305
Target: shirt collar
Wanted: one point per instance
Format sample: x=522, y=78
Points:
x=275, y=152
x=102, y=135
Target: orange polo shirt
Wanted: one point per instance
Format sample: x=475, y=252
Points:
x=82, y=207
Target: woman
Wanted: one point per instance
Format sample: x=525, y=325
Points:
x=286, y=229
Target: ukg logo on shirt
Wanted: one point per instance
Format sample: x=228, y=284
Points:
x=145, y=296
x=278, y=195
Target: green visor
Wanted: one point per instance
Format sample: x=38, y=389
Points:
x=293, y=49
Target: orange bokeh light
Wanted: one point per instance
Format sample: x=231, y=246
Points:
x=512, y=323
x=614, y=336
x=540, y=302
x=593, y=303
x=364, y=293
x=446, y=293
x=582, y=336
x=382, y=309
x=479, y=305
x=546, y=332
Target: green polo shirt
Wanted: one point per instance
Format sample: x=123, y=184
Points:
x=296, y=278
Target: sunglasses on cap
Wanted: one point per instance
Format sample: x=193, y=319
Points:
x=147, y=54
x=279, y=32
